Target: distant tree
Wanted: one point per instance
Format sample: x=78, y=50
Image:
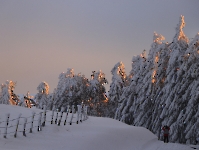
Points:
x=41, y=97
x=7, y=95
x=97, y=93
x=71, y=89
x=28, y=101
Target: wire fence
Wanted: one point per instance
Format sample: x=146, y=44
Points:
x=35, y=122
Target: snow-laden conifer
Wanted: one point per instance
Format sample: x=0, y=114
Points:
x=71, y=89
x=116, y=87
x=163, y=89
x=7, y=95
x=41, y=97
x=129, y=95
x=97, y=93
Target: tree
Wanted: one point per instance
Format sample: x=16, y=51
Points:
x=175, y=87
x=98, y=100
x=28, y=101
x=164, y=88
x=41, y=97
x=116, y=88
x=71, y=89
x=7, y=95
x=126, y=102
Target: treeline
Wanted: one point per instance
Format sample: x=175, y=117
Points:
x=71, y=90
x=163, y=88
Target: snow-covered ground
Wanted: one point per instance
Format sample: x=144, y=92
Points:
x=95, y=133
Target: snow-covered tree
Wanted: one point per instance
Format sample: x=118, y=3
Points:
x=163, y=89
x=116, y=87
x=129, y=95
x=28, y=101
x=7, y=95
x=41, y=97
x=71, y=89
x=174, y=88
x=97, y=93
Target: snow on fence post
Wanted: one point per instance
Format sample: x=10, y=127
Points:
x=78, y=112
x=62, y=111
x=66, y=115
x=67, y=109
x=17, y=125
x=33, y=115
x=6, y=125
x=73, y=110
x=52, y=114
x=56, y=117
x=44, y=116
x=39, y=122
x=24, y=127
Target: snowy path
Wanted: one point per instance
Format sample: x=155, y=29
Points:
x=92, y=134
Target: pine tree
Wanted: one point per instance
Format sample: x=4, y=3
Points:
x=116, y=87
x=189, y=114
x=41, y=97
x=124, y=111
x=28, y=101
x=71, y=89
x=7, y=95
x=163, y=88
x=174, y=89
x=98, y=100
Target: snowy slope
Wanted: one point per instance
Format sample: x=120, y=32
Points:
x=93, y=134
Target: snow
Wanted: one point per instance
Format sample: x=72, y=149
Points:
x=95, y=133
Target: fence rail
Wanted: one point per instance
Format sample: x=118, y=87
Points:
x=37, y=121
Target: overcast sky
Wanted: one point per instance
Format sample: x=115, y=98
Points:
x=39, y=39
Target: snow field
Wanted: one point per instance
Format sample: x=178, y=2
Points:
x=96, y=133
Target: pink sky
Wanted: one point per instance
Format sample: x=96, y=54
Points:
x=41, y=39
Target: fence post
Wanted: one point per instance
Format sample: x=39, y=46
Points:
x=66, y=117
x=39, y=122
x=6, y=125
x=44, y=116
x=62, y=111
x=17, y=124
x=33, y=115
x=67, y=111
x=24, y=127
x=52, y=114
x=56, y=117
x=73, y=110
x=78, y=112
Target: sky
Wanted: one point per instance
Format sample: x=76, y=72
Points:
x=95, y=133
x=41, y=39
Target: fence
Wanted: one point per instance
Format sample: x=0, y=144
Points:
x=25, y=125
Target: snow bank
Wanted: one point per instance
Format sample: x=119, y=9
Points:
x=96, y=133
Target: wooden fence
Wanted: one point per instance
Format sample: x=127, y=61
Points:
x=24, y=125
